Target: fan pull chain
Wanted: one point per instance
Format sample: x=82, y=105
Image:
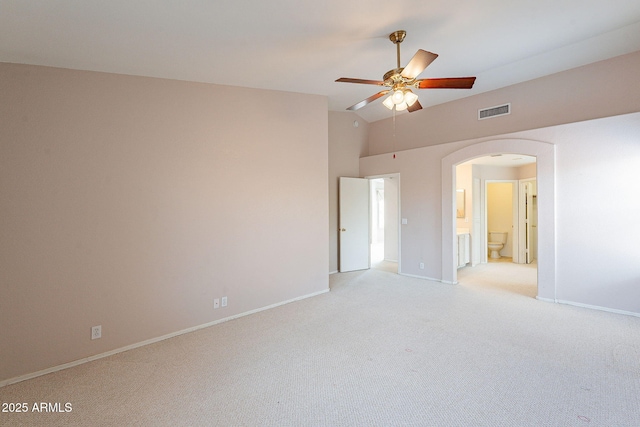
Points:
x=394, y=133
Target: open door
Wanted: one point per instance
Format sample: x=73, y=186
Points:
x=353, y=233
x=526, y=222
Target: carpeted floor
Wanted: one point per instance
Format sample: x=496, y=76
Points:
x=501, y=276
x=380, y=349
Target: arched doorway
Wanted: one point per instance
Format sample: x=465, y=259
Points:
x=545, y=155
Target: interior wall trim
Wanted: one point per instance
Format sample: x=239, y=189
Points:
x=431, y=279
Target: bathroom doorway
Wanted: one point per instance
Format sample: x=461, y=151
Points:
x=501, y=221
x=492, y=185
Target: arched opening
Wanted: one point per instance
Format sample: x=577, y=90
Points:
x=497, y=223
x=545, y=155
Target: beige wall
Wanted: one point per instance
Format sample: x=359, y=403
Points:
x=464, y=181
x=133, y=202
x=527, y=171
x=347, y=143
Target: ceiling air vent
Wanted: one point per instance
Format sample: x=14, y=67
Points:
x=491, y=112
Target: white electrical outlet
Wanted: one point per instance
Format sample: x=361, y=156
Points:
x=224, y=301
x=96, y=332
x=216, y=303
x=422, y=266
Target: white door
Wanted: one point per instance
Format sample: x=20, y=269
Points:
x=528, y=222
x=525, y=222
x=353, y=199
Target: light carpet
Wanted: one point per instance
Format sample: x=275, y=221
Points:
x=380, y=349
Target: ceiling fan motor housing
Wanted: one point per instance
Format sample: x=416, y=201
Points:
x=392, y=77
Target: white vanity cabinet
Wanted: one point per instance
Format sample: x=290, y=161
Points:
x=464, y=248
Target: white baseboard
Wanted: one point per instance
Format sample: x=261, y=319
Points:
x=592, y=307
x=423, y=278
x=149, y=341
x=333, y=272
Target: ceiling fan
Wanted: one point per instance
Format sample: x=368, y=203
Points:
x=400, y=80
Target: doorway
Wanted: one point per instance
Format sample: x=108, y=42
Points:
x=369, y=232
x=501, y=219
x=384, y=222
x=494, y=185
x=545, y=181
x=377, y=220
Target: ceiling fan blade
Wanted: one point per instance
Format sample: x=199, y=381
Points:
x=418, y=63
x=368, y=100
x=362, y=81
x=414, y=107
x=447, y=83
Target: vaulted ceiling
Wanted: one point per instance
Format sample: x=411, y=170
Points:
x=305, y=45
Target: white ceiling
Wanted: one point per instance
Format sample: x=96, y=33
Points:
x=305, y=45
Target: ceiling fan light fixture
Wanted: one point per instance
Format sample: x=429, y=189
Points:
x=398, y=96
x=410, y=98
x=388, y=102
x=402, y=106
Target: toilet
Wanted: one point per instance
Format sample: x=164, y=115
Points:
x=497, y=239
